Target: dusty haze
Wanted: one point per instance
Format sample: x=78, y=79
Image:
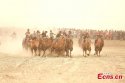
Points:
x=19, y=66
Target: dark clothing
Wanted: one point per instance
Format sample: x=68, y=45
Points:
x=51, y=35
x=58, y=35
x=64, y=33
x=43, y=34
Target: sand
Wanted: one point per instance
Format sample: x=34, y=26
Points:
x=19, y=66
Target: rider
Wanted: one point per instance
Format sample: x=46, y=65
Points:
x=51, y=34
x=69, y=34
x=86, y=35
x=33, y=35
x=27, y=36
x=38, y=34
x=27, y=33
x=99, y=36
x=44, y=34
x=58, y=34
x=64, y=33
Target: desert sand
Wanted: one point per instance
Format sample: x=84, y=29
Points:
x=19, y=66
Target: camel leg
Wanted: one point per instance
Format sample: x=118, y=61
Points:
x=96, y=51
x=89, y=52
x=67, y=53
x=35, y=50
x=32, y=51
x=39, y=52
x=70, y=53
x=52, y=50
x=35, y=53
x=43, y=53
x=83, y=52
x=58, y=53
x=99, y=52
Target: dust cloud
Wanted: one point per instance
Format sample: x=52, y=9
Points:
x=12, y=46
x=19, y=66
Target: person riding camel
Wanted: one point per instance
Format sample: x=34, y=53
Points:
x=27, y=36
x=33, y=35
x=44, y=34
x=58, y=34
x=99, y=36
x=27, y=33
x=86, y=35
x=38, y=34
x=64, y=33
x=51, y=34
x=69, y=34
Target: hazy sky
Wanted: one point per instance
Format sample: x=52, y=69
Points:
x=63, y=13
